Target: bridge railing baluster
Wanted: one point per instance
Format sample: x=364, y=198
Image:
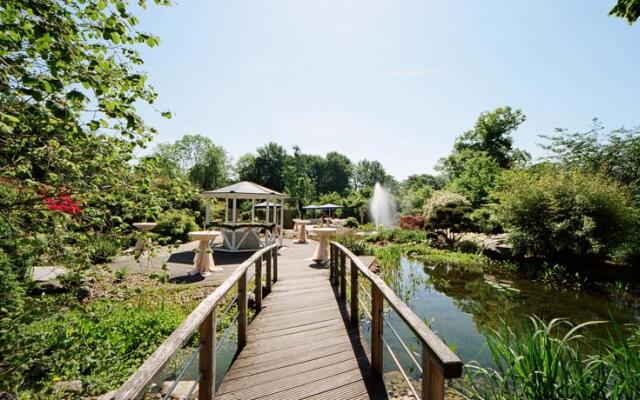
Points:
x=207, y=359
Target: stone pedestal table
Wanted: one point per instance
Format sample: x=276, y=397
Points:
x=203, y=261
x=301, y=225
x=322, y=251
x=143, y=227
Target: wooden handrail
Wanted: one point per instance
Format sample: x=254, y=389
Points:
x=439, y=361
x=203, y=318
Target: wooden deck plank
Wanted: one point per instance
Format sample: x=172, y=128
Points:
x=299, y=346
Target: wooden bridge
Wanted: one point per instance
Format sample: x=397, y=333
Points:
x=305, y=340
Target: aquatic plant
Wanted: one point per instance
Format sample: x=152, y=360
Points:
x=551, y=361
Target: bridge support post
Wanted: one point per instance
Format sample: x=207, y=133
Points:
x=268, y=276
x=377, y=323
x=242, y=311
x=355, y=317
x=332, y=261
x=343, y=276
x=275, y=264
x=207, y=361
x=432, y=377
x=258, y=289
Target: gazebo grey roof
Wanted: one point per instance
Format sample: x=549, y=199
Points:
x=243, y=190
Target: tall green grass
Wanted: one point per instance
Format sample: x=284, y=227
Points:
x=552, y=361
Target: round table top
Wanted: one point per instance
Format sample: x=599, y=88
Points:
x=325, y=230
x=204, y=235
x=144, y=225
x=302, y=221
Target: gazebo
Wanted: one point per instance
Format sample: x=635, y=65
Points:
x=238, y=235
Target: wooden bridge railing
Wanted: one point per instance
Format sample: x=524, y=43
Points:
x=203, y=318
x=438, y=361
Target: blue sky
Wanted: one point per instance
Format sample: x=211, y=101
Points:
x=395, y=81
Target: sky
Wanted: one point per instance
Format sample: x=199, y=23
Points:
x=395, y=81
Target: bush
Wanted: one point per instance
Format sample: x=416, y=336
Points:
x=485, y=221
x=412, y=222
x=354, y=243
x=175, y=225
x=447, y=214
x=351, y=222
x=558, y=214
x=103, y=248
x=467, y=246
x=11, y=291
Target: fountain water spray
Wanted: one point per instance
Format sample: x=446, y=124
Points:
x=382, y=206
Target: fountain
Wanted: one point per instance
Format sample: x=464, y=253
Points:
x=383, y=207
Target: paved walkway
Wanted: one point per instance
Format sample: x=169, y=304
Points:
x=299, y=346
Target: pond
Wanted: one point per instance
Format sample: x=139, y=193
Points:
x=463, y=307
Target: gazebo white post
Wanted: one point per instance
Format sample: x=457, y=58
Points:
x=233, y=221
x=281, y=222
x=266, y=222
x=226, y=210
x=207, y=212
x=253, y=210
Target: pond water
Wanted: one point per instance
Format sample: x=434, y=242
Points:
x=464, y=307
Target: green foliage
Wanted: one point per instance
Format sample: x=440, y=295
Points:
x=366, y=173
x=103, y=248
x=477, y=176
x=554, y=213
x=197, y=157
x=491, y=135
x=354, y=243
x=175, y=225
x=485, y=220
x=11, y=290
x=351, y=222
x=629, y=9
x=447, y=214
x=413, y=198
x=101, y=343
x=614, y=154
x=549, y=361
x=335, y=175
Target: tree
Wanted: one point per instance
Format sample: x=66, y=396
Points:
x=298, y=183
x=245, y=168
x=562, y=214
x=270, y=162
x=448, y=215
x=367, y=173
x=629, y=9
x=336, y=174
x=419, y=180
x=476, y=180
x=492, y=134
x=614, y=154
x=198, y=158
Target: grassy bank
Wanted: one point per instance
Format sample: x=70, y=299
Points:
x=99, y=342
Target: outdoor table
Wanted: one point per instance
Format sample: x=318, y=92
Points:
x=143, y=227
x=322, y=251
x=203, y=261
x=301, y=226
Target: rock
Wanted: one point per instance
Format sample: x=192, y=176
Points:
x=497, y=247
x=68, y=386
x=181, y=390
x=84, y=292
x=6, y=396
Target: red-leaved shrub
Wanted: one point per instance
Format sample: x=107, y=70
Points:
x=412, y=222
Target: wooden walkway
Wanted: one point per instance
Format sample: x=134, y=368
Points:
x=299, y=345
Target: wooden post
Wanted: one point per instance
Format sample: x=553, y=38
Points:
x=275, y=264
x=354, y=296
x=207, y=361
x=242, y=311
x=268, y=277
x=258, y=289
x=377, y=324
x=332, y=260
x=432, y=377
x=343, y=276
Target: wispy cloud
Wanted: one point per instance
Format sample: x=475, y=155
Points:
x=392, y=73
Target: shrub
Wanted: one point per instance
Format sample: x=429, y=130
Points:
x=103, y=248
x=553, y=213
x=467, y=246
x=354, y=243
x=11, y=291
x=175, y=225
x=351, y=222
x=412, y=222
x=447, y=214
x=485, y=220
